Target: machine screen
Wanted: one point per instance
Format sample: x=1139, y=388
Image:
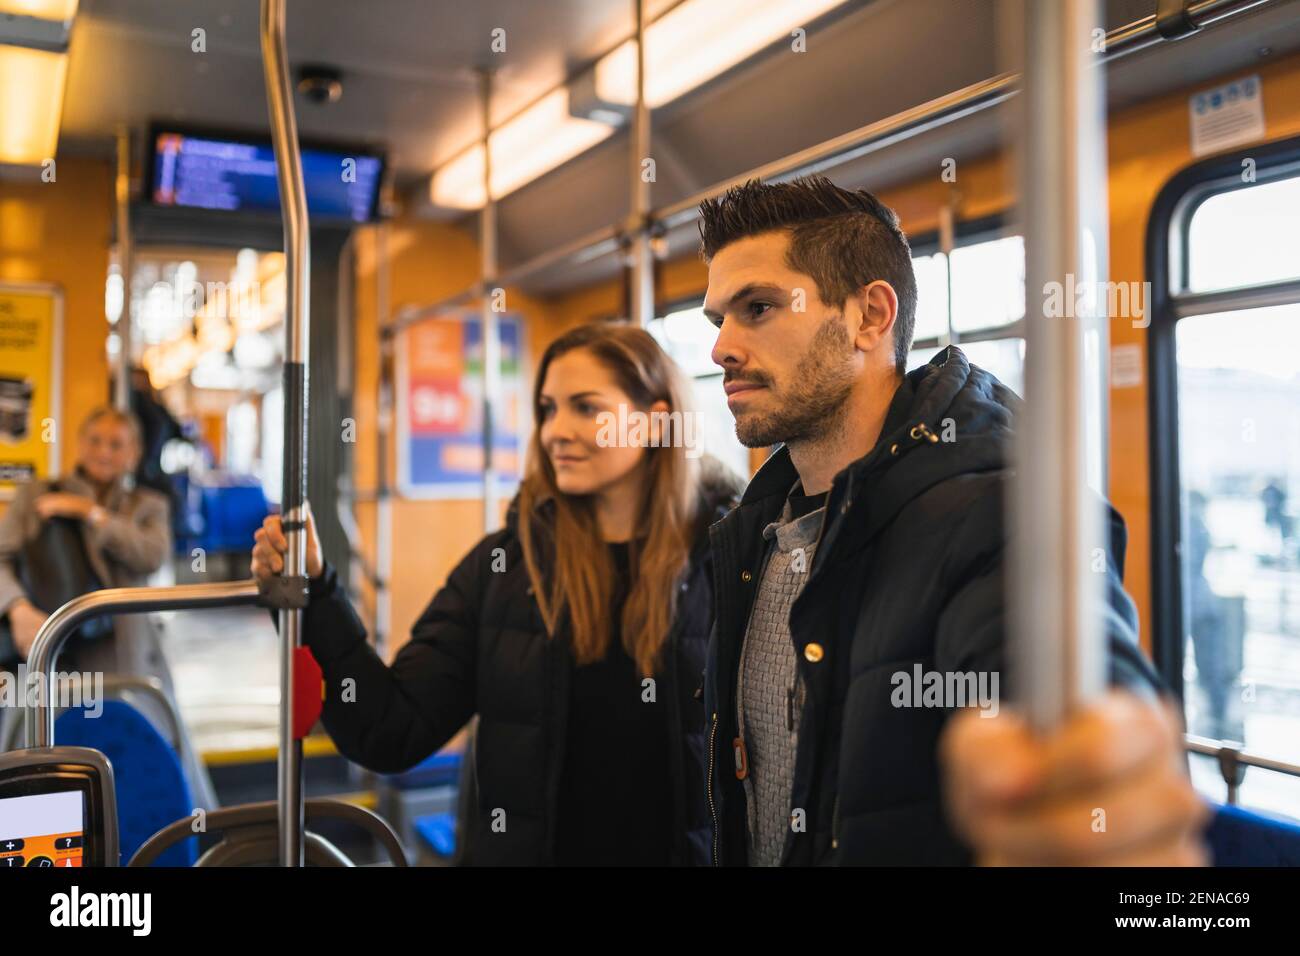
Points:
x=44, y=829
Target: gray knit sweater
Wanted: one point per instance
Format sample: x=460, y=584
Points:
x=770, y=695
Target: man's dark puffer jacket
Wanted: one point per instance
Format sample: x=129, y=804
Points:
x=481, y=648
x=909, y=571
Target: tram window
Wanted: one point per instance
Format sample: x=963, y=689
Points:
x=687, y=336
x=931, y=296
x=272, y=443
x=1245, y=237
x=241, y=429
x=988, y=299
x=1239, y=436
x=1238, y=448
x=1005, y=358
x=988, y=284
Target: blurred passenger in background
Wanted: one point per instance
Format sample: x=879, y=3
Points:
x=576, y=634
x=1217, y=627
x=123, y=535
x=1275, y=516
x=157, y=428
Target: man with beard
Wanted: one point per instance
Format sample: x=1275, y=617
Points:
x=871, y=547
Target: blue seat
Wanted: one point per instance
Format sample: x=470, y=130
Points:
x=437, y=831
x=151, y=788
x=231, y=512
x=1240, y=837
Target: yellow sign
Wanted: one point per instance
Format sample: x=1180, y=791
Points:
x=30, y=326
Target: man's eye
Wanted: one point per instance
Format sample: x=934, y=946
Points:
x=758, y=308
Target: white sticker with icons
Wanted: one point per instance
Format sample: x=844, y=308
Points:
x=1227, y=116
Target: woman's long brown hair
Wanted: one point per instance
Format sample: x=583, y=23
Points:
x=582, y=585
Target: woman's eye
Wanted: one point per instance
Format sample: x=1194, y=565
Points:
x=586, y=408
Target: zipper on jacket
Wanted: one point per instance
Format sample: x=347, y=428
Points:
x=713, y=810
x=922, y=432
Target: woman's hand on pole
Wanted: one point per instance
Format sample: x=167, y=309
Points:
x=270, y=547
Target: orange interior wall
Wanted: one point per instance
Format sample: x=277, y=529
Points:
x=1149, y=144
x=59, y=232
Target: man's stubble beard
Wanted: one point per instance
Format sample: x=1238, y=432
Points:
x=811, y=403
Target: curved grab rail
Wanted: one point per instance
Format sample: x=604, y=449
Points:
x=264, y=815
x=58, y=627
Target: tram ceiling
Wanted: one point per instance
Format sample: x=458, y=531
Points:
x=409, y=85
x=408, y=65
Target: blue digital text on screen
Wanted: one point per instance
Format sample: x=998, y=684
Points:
x=241, y=177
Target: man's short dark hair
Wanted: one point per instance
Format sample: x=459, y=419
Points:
x=843, y=238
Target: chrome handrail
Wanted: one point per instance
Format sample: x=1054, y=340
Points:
x=297, y=330
x=59, y=626
x=1234, y=759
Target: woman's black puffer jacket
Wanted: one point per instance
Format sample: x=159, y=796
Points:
x=481, y=648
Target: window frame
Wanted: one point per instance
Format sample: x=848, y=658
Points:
x=967, y=232
x=681, y=303
x=1167, y=268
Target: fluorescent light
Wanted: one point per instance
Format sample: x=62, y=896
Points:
x=689, y=45
x=696, y=41
x=539, y=139
x=532, y=143
x=42, y=9
x=31, y=102
x=458, y=184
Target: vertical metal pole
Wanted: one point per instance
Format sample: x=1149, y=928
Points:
x=1058, y=647
x=491, y=331
x=122, y=191
x=947, y=242
x=383, y=499
x=297, y=253
x=643, y=281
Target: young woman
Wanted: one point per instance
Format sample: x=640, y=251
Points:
x=576, y=634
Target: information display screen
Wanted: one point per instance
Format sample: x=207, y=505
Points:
x=239, y=175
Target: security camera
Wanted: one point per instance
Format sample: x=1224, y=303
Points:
x=320, y=84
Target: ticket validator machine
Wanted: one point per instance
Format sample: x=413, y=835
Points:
x=57, y=808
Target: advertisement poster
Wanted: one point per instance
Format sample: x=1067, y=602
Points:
x=440, y=408
x=31, y=318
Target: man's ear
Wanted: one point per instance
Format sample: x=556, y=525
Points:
x=878, y=308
